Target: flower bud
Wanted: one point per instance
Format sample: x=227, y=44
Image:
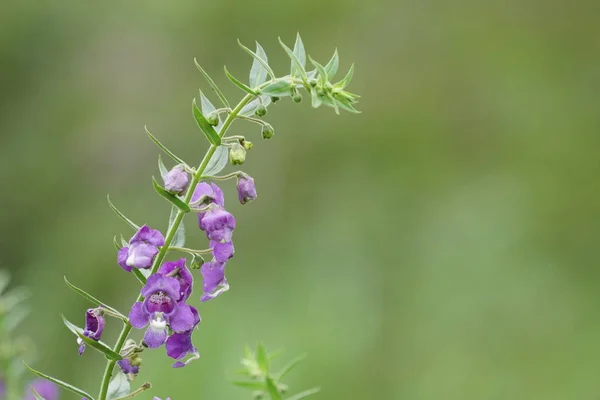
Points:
x=247, y=144
x=267, y=131
x=237, y=154
x=261, y=111
x=313, y=82
x=297, y=97
x=246, y=188
x=176, y=180
x=275, y=99
x=213, y=119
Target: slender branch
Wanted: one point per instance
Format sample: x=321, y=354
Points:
x=169, y=238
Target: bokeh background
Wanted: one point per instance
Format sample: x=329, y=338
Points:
x=441, y=245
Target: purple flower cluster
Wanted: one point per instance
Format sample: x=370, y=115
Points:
x=164, y=313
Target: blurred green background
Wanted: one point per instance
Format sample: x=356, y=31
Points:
x=441, y=245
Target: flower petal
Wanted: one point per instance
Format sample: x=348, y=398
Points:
x=155, y=337
x=138, y=318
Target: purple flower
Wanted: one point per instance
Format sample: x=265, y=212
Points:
x=214, y=282
x=211, y=190
x=94, y=326
x=46, y=389
x=127, y=368
x=218, y=224
x=222, y=251
x=161, y=307
x=246, y=189
x=142, y=249
x=176, y=180
x=179, y=271
x=179, y=345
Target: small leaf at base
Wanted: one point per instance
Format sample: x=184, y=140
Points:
x=60, y=383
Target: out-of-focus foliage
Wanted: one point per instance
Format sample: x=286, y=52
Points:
x=441, y=245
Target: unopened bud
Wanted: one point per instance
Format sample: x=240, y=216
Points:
x=213, y=119
x=275, y=99
x=261, y=111
x=312, y=82
x=176, y=180
x=247, y=144
x=297, y=97
x=267, y=131
x=237, y=154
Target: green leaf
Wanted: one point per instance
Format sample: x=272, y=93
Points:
x=139, y=275
x=91, y=298
x=121, y=215
x=162, y=167
x=272, y=389
x=213, y=85
x=36, y=394
x=315, y=99
x=300, y=56
x=60, y=383
x=239, y=83
x=100, y=346
x=321, y=70
x=289, y=366
x=328, y=100
x=170, y=197
x=207, y=108
x=116, y=243
x=251, y=107
x=262, y=358
x=179, y=237
x=163, y=147
x=345, y=104
x=208, y=130
x=259, y=59
x=295, y=61
x=118, y=387
x=304, y=394
x=217, y=162
x=258, y=73
x=278, y=88
x=254, y=385
x=347, y=79
x=332, y=66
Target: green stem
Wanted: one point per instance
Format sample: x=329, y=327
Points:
x=169, y=238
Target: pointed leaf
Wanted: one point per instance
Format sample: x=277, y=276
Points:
x=321, y=70
x=179, y=237
x=213, y=85
x=36, y=394
x=315, y=99
x=289, y=366
x=259, y=59
x=217, y=162
x=347, y=79
x=346, y=105
x=140, y=275
x=162, y=167
x=300, y=54
x=278, y=88
x=262, y=358
x=208, y=130
x=328, y=100
x=100, y=346
x=91, y=298
x=272, y=389
x=295, y=61
x=121, y=215
x=332, y=66
x=119, y=386
x=60, y=383
x=239, y=83
x=254, y=385
x=304, y=394
x=116, y=243
x=163, y=147
x=258, y=73
x=169, y=197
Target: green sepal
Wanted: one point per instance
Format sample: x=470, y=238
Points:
x=60, y=383
x=208, y=130
x=272, y=389
x=213, y=85
x=239, y=83
x=170, y=197
x=259, y=59
x=217, y=162
x=321, y=70
x=332, y=66
x=163, y=147
x=92, y=299
x=304, y=394
x=262, y=359
x=278, y=88
x=139, y=275
x=254, y=385
x=289, y=366
x=162, y=168
x=96, y=345
x=295, y=61
x=258, y=73
x=346, y=80
x=121, y=215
